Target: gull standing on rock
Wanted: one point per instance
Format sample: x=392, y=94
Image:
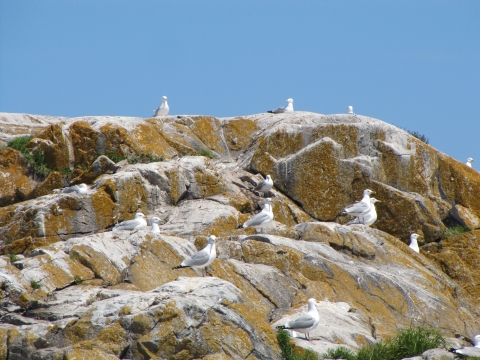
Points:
x=162, y=109
x=79, y=189
x=360, y=208
x=367, y=218
x=413, y=243
x=470, y=351
x=265, y=185
x=263, y=218
x=155, y=221
x=304, y=323
x=201, y=259
x=469, y=162
x=135, y=224
x=283, y=109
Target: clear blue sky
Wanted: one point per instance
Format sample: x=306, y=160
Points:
x=415, y=64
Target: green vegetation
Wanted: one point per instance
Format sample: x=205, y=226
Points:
x=455, y=230
x=78, y=280
x=36, y=159
x=407, y=343
x=419, y=136
x=35, y=285
x=65, y=171
x=13, y=257
x=206, y=152
x=114, y=157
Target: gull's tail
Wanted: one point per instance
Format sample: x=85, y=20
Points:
x=270, y=111
x=282, y=327
x=179, y=267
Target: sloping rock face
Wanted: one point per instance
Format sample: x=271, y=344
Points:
x=70, y=288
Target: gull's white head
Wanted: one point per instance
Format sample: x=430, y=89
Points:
x=414, y=237
x=164, y=98
x=83, y=186
x=156, y=220
x=476, y=341
x=139, y=215
x=267, y=201
x=311, y=303
x=367, y=192
x=373, y=201
x=211, y=239
x=268, y=177
x=470, y=160
x=290, y=100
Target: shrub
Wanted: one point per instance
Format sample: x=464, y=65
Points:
x=65, y=171
x=455, y=230
x=13, y=257
x=206, y=152
x=115, y=158
x=340, y=353
x=414, y=341
x=35, y=285
x=19, y=144
x=36, y=159
x=419, y=136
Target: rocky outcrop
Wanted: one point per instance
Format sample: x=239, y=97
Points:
x=74, y=289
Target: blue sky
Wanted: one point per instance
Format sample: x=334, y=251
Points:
x=415, y=64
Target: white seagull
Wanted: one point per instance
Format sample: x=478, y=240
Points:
x=350, y=110
x=263, y=218
x=265, y=185
x=155, y=221
x=162, y=109
x=414, y=243
x=469, y=162
x=201, y=259
x=470, y=351
x=79, y=189
x=361, y=207
x=304, y=323
x=283, y=109
x=135, y=224
x=367, y=218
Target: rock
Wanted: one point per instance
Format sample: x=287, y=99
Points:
x=102, y=165
x=438, y=354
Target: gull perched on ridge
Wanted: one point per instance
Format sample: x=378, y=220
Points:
x=135, y=224
x=155, y=221
x=413, y=243
x=469, y=162
x=470, y=351
x=361, y=207
x=367, y=218
x=162, y=109
x=304, y=323
x=79, y=189
x=201, y=259
x=283, y=109
x=350, y=110
x=265, y=185
x=263, y=218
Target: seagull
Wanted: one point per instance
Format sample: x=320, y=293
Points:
x=162, y=109
x=79, y=189
x=350, y=110
x=413, y=243
x=155, y=228
x=265, y=185
x=367, y=218
x=470, y=351
x=135, y=224
x=304, y=323
x=201, y=259
x=469, y=162
x=263, y=218
x=283, y=109
x=361, y=207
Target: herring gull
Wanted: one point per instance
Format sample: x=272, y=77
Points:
x=201, y=259
x=413, y=243
x=265, y=185
x=367, y=218
x=469, y=162
x=79, y=189
x=304, y=323
x=470, y=351
x=135, y=224
x=283, y=109
x=162, y=109
x=263, y=218
x=361, y=207
x=155, y=221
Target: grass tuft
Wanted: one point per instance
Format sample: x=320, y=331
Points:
x=115, y=158
x=19, y=144
x=35, y=285
x=13, y=257
x=78, y=280
x=340, y=353
x=206, y=152
x=36, y=158
x=455, y=230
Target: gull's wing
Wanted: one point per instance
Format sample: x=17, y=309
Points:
x=303, y=322
x=260, y=185
x=279, y=110
x=127, y=225
x=357, y=208
x=198, y=259
x=468, y=351
x=258, y=219
x=71, y=189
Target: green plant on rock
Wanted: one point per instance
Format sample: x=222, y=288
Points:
x=455, y=230
x=206, y=152
x=13, y=257
x=35, y=158
x=35, y=285
x=78, y=280
x=65, y=171
x=288, y=353
x=19, y=144
x=340, y=353
x=115, y=158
